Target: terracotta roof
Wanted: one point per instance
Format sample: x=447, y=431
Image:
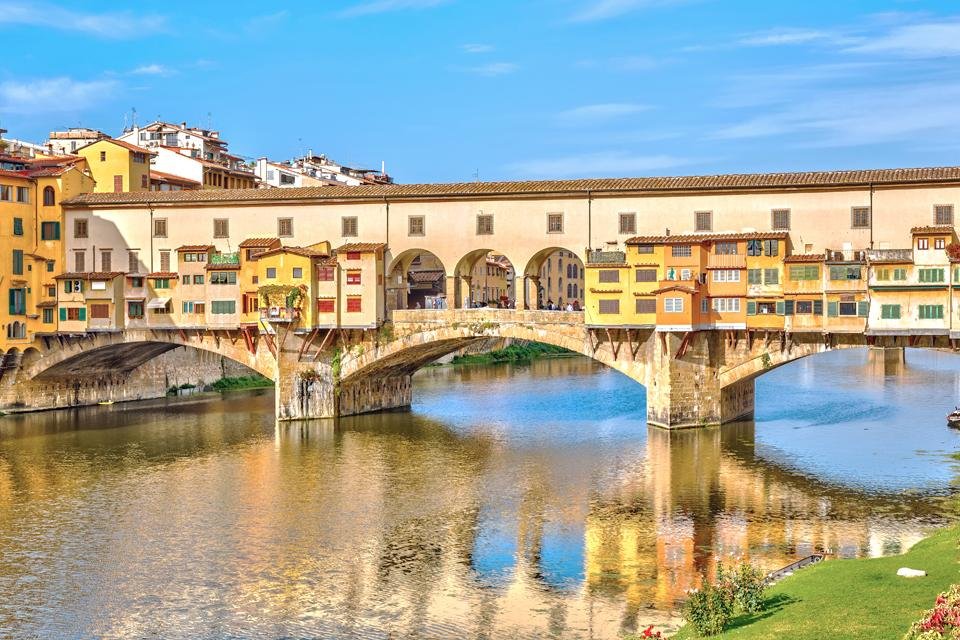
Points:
x=607, y=265
x=328, y=261
x=125, y=145
x=259, y=242
x=161, y=176
x=362, y=247
x=734, y=182
x=940, y=228
x=89, y=275
x=805, y=257
x=43, y=304
x=298, y=251
x=223, y=267
x=708, y=237
x=675, y=287
x=22, y=175
x=431, y=275
x=196, y=247
x=163, y=274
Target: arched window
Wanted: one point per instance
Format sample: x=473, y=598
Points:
x=49, y=197
x=576, y=291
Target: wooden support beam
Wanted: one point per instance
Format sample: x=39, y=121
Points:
x=633, y=354
x=270, y=344
x=684, y=344
x=323, y=343
x=304, y=344
x=615, y=347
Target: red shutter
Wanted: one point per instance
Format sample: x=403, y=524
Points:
x=118, y=184
x=325, y=306
x=353, y=305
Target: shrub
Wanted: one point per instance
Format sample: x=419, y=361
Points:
x=708, y=610
x=943, y=621
x=749, y=587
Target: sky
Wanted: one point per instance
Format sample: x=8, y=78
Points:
x=461, y=90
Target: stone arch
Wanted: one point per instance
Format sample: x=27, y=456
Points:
x=474, y=284
x=415, y=277
x=563, y=282
x=9, y=363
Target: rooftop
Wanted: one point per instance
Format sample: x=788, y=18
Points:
x=691, y=238
x=678, y=184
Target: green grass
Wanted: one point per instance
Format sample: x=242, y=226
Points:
x=846, y=599
x=241, y=382
x=518, y=351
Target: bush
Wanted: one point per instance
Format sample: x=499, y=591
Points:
x=749, y=587
x=708, y=610
x=943, y=621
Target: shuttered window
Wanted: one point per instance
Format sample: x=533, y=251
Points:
x=484, y=225
x=646, y=275
x=609, y=306
x=771, y=276
x=628, y=223
x=160, y=228
x=354, y=304
x=890, y=311
x=780, y=219
x=18, y=262
x=221, y=228
x=804, y=272
x=646, y=305
x=930, y=275
x=325, y=274
x=943, y=214
x=284, y=227
x=609, y=275
x=349, y=226
x=860, y=218
x=931, y=312
x=165, y=261
x=99, y=311
x=106, y=260
x=754, y=276
x=703, y=220
x=325, y=306
x=133, y=262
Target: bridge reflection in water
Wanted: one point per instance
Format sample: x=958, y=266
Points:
x=541, y=505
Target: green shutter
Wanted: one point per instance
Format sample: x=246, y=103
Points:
x=81, y=286
x=63, y=314
x=833, y=309
x=788, y=308
x=82, y=314
x=863, y=308
x=780, y=307
x=818, y=307
x=13, y=302
x=751, y=308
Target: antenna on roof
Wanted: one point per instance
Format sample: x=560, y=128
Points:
x=209, y=121
x=133, y=116
x=476, y=174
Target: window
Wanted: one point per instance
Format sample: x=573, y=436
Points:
x=900, y=274
x=725, y=305
x=646, y=305
x=74, y=313
x=754, y=248
x=221, y=228
x=271, y=273
x=628, y=223
x=18, y=226
x=860, y=218
x=646, y=275
x=79, y=261
x=23, y=195
x=554, y=223
x=484, y=225
x=608, y=306
x=804, y=272
x=298, y=273
x=608, y=275
x=223, y=277
x=136, y=283
x=118, y=184
x=673, y=305
x=325, y=274
x=354, y=304
x=883, y=274
x=165, y=261
x=325, y=306
x=49, y=230
x=144, y=181
x=845, y=273
x=703, y=220
x=353, y=255
x=780, y=219
x=923, y=243
x=939, y=243
x=725, y=248
x=51, y=265
x=725, y=275
x=51, y=292
x=285, y=227
x=223, y=307
x=943, y=214
x=160, y=228
x=198, y=278
x=349, y=227
x=681, y=251
x=931, y=312
x=771, y=247
x=754, y=276
x=644, y=248
x=161, y=283
x=353, y=277
x=848, y=308
x=99, y=311
x=106, y=260
x=18, y=262
x=416, y=225
x=930, y=275
x=890, y=311
x=48, y=315
x=803, y=307
x=133, y=262
x=103, y=156
x=98, y=285
x=771, y=276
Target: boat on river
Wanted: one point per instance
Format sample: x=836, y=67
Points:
x=953, y=418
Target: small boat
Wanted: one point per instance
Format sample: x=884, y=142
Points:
x=953, y=418
x=105, y=402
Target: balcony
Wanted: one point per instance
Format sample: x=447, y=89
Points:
x=279, y=314
x=890, y=255
x=606, y=257
x=218, y=259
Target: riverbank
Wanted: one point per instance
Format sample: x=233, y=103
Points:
x=516, y=352
x=853, y=599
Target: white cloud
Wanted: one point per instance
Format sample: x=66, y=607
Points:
x=613, y=163
x=780, y=37
x=924, y=40
x=477, y=48
x=593, y=113
x=118, y=25
x=53, y=94
x=382, y=6
x=151, y=70
x=493, y=69
x=597, y=10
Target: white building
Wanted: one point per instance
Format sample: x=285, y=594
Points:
x=316, y=170
x=69, y=141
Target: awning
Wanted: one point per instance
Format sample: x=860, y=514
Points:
x=158, y=303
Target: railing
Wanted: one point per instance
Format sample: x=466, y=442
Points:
x=905, y=255
x=606, y=257
x=279, y=314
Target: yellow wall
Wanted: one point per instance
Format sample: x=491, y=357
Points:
x=117, y=161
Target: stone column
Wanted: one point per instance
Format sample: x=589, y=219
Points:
x=453, y=292
x=534, y=299
x=466, y=293
x=520, y=292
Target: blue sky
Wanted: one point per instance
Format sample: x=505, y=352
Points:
x=445, y=90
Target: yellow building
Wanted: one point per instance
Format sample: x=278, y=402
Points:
x=287, y=289
x=91, y=301
x=765, y=281
x=118, y=166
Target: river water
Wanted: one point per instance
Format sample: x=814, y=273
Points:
x=511, y=501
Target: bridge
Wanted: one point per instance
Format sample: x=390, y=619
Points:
x=691, y=378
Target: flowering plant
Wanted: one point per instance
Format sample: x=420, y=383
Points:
x=943, y=621
x=650, y=633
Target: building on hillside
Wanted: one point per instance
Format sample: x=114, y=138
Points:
x=117, y=166
x=160, y=181
x=71, y=140
x=208, y=174
x=316, y=170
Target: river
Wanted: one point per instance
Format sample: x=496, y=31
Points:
x=511, y=501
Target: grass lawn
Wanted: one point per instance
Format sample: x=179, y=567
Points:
x=846, y=599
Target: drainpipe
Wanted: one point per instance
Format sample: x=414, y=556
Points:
x=150, y=234
x=589, y=222
x=871, y=215
x=386, y=204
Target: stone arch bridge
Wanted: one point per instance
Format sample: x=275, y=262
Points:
x=691, y=379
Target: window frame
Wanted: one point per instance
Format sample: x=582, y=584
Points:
x=485, y=224
x=280, y=227
x=414, y=221
x=349, y=226
x=555, y=222
x=699, y=217
x=628, y=229
x=781, y=212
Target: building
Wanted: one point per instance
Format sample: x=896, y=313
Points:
x=117, y=166
x=160, y=181
x=316, y=170
x=561, y=279
x=71, y=140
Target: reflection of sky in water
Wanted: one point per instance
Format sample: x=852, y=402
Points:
x=831, y=416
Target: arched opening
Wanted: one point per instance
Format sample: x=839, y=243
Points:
x=9, y=362
x=417, y=279
x=484, y=278
x=554, y=278
x=49, y=197
x=16, y=330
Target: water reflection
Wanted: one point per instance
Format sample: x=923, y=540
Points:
x=512, y=501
